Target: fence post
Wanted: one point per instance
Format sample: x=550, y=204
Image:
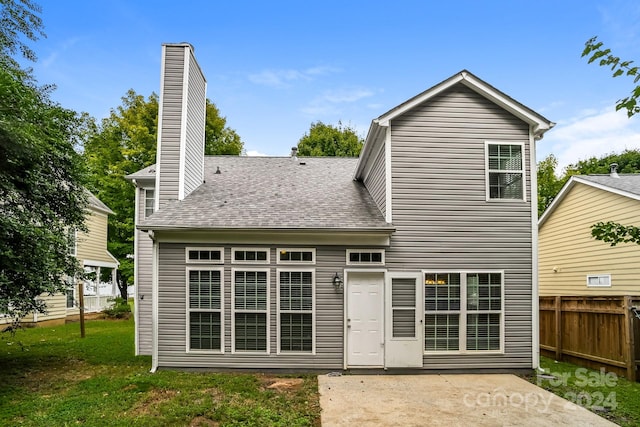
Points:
x=629, y=351
x=558, y=326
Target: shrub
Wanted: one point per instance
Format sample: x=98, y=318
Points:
x=119, y=310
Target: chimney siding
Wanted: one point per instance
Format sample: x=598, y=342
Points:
x=181, y=122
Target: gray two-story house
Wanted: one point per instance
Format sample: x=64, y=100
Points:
x=421, y=253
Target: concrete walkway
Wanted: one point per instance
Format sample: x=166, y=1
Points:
x=445, y=400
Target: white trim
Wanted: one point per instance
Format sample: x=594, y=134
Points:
x=488, y=171
x=233, y=310
x=388, y=177
x=136, y=300
x=535, y=302
x=291, y=249
x=203, y=261
x=599, y=276
x=93, y=263
x=570, y=184
x=293, y=269
x=163, y=63
x=154, y=304
x=372, y=251
x=418, y=307
x=183, y=123
x=462, y=344
x=251, y=249
x=345, y=276
x=188, y=349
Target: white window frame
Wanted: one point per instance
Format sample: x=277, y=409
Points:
x=280, y=250
x=146, y=198
x=73, y=251
x=250, y=249
x=606, y=276
x=462, y=343
x=189, y=310
x=350, y=251
x=233, y=311
x=203, y=261
x=313, y=309
x=488, y=171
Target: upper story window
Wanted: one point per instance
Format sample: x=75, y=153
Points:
x=599, y=280
x=505, y=171
x=250, y=255
x=205, y=255
x=149, y=201
x=296, y=256
x=365, y=256
x=72, y=241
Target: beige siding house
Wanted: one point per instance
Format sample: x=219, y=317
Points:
x=421, y=253
x=571, y=262
x=90, y=250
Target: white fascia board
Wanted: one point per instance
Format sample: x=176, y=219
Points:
x=90, y=262
x=371, y=142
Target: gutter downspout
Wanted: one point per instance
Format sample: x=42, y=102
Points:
x=154, y=304
x=535, y=309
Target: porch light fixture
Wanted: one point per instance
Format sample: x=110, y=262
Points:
x=337, y=282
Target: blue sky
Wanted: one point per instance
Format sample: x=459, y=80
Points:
x=275, y=67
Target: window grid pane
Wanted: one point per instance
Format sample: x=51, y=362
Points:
x=204, y=289
x=251, y=331
x=296, y=290
x=483, y=331
x=441, y=332
x=205, y=331
x=149, y=200
x=250, y=290
x=296, y=332
x=484, y=292
x=442, y=291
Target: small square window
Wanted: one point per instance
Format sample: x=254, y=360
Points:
x=250, y=255
x=205, y=255
x=365, y=256
x=599, y=281
x=296, y=255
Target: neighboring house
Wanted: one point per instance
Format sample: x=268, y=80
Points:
x=90, y=249
x=573, y=263
x=419, y=254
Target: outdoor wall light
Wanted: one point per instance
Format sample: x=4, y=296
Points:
x=337, y=282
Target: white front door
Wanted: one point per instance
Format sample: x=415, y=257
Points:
x=365, y=325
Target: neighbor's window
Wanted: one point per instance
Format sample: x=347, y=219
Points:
x=463, y=311
x=251, y=310
x=70, y=298
x=296, y=256
x=365, y=256
x=250, y=256
x=599, y=280
x=149, y=202
x=295, y=310
x=205, y=255
x=505, y=171
x=205, y=309
x=72, y=241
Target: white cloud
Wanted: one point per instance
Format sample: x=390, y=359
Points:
x=329, y=102
x=283, y=78
x=255, y=153
x=590, y=134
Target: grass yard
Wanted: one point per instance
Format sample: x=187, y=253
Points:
x=612, y=397
x=50, y=376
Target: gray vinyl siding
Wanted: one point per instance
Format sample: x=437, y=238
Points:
x=172, y=311
x=169, y=150
x=443, y=220
x=195, y=124
x=143, y=283
x=375, y=181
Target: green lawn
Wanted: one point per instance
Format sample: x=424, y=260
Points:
x=50, y=376
x=606, y=394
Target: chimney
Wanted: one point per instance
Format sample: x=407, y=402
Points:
x=294, y=153
x=614, y=170
x=181, y=122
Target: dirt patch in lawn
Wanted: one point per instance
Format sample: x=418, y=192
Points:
x=203, y=422
x=39, y=379
x=152, y=401
x=281, y=384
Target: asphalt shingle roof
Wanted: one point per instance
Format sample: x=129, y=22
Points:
x=274, y=193
x=625, y=182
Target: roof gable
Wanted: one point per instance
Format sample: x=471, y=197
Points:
x=627, y=185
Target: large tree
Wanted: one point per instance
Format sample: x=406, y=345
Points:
x=126, y=142
x=329, y=140
x=548, y=183
x=41, y=176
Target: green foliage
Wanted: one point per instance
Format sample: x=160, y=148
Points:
x=549, y=184
x=60, y=379
x=119, y=309
x=18, y=17
x=614, y=233
x=126, y=142
x=329, y=140
x=628, y=162
x=595, y=52
x=41, y=193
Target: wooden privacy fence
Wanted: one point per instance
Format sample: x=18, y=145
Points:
x=593, y=332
